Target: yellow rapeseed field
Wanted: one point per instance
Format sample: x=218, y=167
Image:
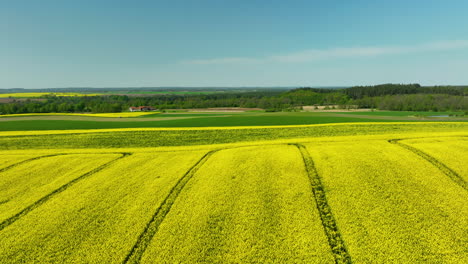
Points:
x=122, y=114
x=9, y=160
x=451, y=151
x=244, y=205
x=98, y=219
x=22, y=185
x=32, y=95
x=392, y=205
x=337, y=193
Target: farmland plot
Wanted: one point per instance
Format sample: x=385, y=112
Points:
x=158, y=137
x=21, y=186
x=391, y=205
x=451, y=152
x=302, y=194
x=244, y=205
x=8, y=161
x=98, y=219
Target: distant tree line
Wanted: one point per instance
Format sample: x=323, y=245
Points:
x=399, y=97
x=414, y=102
x=358, y=92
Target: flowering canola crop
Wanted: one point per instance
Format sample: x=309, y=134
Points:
x=350, y=193
x=122, y=114
x=32, y=95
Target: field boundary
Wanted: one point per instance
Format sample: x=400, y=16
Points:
x=62, y=188
x=335, y=239
x=137, y=251
x=454, y=176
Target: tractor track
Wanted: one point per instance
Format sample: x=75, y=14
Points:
x=335, y=239
x=47, y=197
x=454, y=176
x=139, y=248
x=29, y=160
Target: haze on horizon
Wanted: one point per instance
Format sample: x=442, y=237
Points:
x=239, y=44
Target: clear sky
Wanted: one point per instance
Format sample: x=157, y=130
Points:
x=112, y=43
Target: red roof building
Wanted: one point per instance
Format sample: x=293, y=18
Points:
x=141, y=108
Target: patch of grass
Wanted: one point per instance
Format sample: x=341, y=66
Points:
x=184, y=115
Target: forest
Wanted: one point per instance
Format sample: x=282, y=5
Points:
x=396, y=97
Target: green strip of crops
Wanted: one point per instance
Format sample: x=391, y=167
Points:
x=190, y=137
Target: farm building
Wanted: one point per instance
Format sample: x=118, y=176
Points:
x=141, y=108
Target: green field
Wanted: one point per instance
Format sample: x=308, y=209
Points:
x=198, y=122
x=187, y=114
x=157, y=137
x=186, y=119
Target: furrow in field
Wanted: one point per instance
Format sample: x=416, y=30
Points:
x=98, y=219
x=392, y=205
x=14, y=162
x=38, y=183
x=335, y=239
x=451, y=151
x=151, y=228
x=244, y=205
x=454, y=176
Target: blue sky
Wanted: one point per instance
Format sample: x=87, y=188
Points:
x=112, y=43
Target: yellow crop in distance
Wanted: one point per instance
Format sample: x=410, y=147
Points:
x=122, y=114
x=32, y=95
